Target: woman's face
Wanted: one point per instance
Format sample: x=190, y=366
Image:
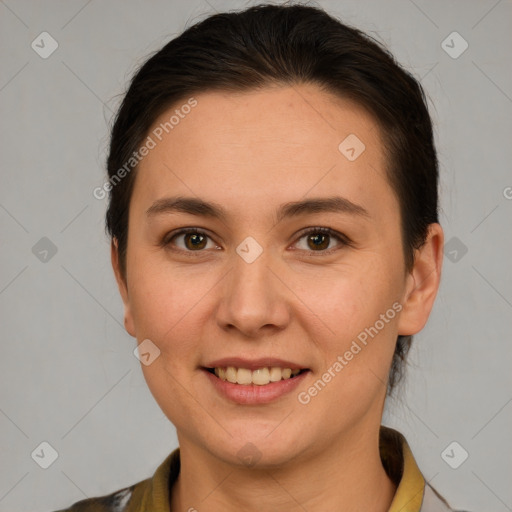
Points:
x=251, y=288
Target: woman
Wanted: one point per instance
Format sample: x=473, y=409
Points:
x=275, y=239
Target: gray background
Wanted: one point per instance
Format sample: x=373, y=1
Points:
x=69, y=376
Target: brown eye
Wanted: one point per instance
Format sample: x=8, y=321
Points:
x=319, y=240
x=189, y=240
x=194, y=241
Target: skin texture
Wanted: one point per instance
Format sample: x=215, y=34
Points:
x=251, y=152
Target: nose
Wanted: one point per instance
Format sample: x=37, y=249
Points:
x=253, y=299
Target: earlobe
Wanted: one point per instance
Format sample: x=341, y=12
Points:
x=422, y=283
x=123, y=288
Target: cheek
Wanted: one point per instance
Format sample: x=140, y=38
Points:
x=168, y=310
x=358, y=347
x=359, y=309
x=349, y=299
x=168, y=307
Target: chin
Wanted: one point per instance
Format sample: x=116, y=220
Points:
x=265, y=447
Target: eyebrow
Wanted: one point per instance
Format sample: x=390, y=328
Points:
x=196, y=206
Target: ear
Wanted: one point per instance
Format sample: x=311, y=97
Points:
x=422, y=283
x=123, y=288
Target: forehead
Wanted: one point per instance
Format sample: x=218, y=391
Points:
x=284, y=141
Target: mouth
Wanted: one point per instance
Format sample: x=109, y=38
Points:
x=258, y=377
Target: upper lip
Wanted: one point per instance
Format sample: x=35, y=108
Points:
x=254, y=364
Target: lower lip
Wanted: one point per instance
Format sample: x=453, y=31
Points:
x=253, y=394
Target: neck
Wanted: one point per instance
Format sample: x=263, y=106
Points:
x=348, y=475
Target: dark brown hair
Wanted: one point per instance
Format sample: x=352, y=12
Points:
x=287, y=44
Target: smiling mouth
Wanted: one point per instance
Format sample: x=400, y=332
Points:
x=259, y=377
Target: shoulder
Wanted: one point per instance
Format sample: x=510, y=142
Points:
x=150, y=494
x=114, y=502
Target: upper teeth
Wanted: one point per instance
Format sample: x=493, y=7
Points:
x=260, y=377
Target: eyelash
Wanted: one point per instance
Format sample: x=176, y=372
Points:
x=342, y=239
